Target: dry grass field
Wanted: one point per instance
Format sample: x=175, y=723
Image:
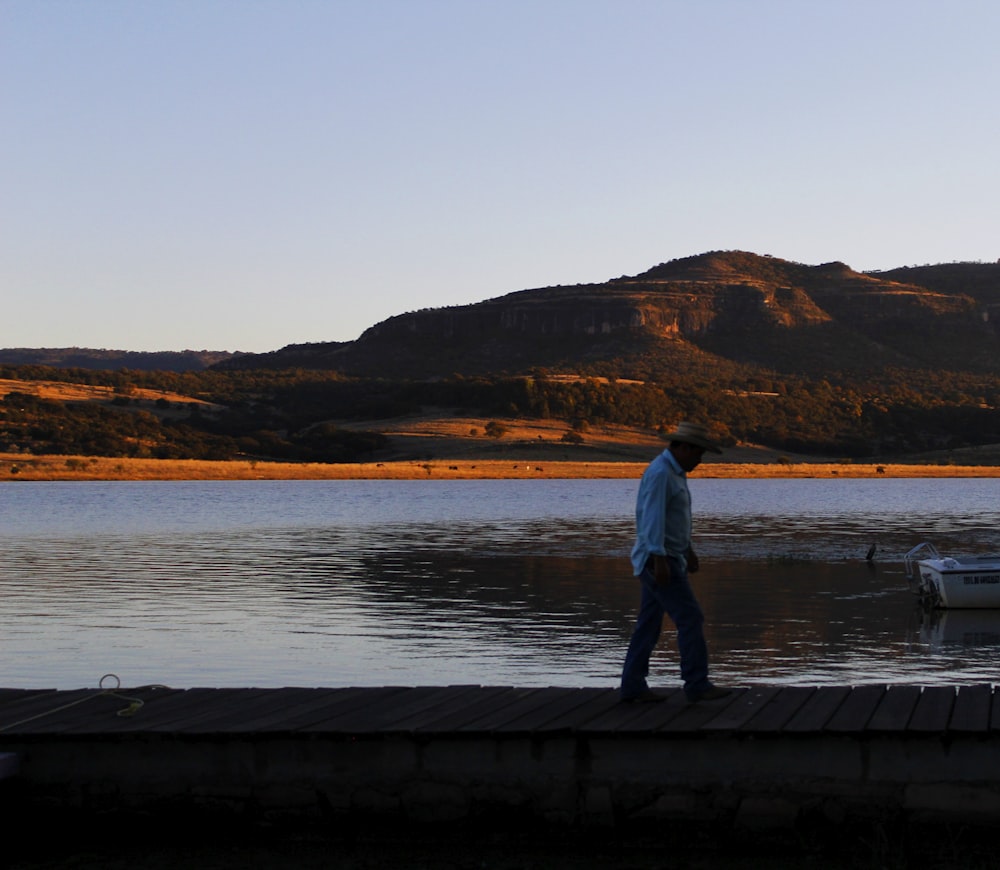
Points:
x=439, y=446
x=17, y=467
x=63, y=392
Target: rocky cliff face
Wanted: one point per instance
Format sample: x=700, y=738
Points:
x=735, y=305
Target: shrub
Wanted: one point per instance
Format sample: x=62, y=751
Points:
x=495, y=429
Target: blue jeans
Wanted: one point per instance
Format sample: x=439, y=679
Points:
x=676, y=600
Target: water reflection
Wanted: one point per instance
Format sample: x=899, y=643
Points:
x=507, y=582
x=957, y=631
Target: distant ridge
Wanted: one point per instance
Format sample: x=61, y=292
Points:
x=717, y=311
x=711, y=311
x=806, y=360
x=100, y=360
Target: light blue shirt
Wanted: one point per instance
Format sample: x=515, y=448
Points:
x=662, y=513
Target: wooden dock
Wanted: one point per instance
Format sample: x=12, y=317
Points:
x=764, y=756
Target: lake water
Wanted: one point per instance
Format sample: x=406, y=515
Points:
x=518, y=582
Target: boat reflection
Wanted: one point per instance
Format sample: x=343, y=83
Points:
x=939, y=629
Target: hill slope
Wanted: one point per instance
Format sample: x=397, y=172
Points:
x=818, y=360
x=104, y=360
x=712, y=311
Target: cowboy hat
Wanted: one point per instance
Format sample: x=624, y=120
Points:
x=693, y=433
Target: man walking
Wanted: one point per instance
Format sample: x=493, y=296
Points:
x=662, y=558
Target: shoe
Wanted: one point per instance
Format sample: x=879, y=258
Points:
x=647, y=697
x=712, y=693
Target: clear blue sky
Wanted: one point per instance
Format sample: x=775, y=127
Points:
x=222, y=175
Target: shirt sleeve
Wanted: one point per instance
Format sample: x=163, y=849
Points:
x=651, y=511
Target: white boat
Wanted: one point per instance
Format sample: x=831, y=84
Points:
x=968, y=582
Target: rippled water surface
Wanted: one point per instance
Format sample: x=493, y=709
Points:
x=527, y=583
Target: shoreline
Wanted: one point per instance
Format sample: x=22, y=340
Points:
x=20, y=467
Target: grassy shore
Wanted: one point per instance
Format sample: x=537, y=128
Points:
x=17, y=467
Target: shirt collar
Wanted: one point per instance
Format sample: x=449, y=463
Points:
x=671, y=460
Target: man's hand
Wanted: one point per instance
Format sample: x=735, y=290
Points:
x=693, y=563
x=661, y=568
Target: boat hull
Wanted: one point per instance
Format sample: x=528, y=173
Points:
x=966, y=583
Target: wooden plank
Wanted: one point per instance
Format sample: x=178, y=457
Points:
x=294, y=713
x=196, y=708
x=818, y=709
x=95, y=709
x=356, y=711
x=972, y=709
x=362, y=710
x=124, y=712
x=275, y=710
x=481, y=703
x=555, y=703
x=895, y=709
x=656, y=717
x=226, y=710
x=633, y=717
x=519, y=716
x=742, y=710
x=693, y=717
x=322, y=714
x=221, y=711
x=510, y=708
x=424, y=705
x=174, y=707
x=22, y=700
x=612, y=717
x=21, y=705
x=11, y=696
x=597, y=703
x=250, y=710
x=473, y=709
x=779, y=710
x=484, y=710
x=449, y=707
x=99, y=710
x=52, y=711
x=853, y=715
x=933, y=710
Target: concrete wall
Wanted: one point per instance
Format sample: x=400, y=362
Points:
x=591, y=781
